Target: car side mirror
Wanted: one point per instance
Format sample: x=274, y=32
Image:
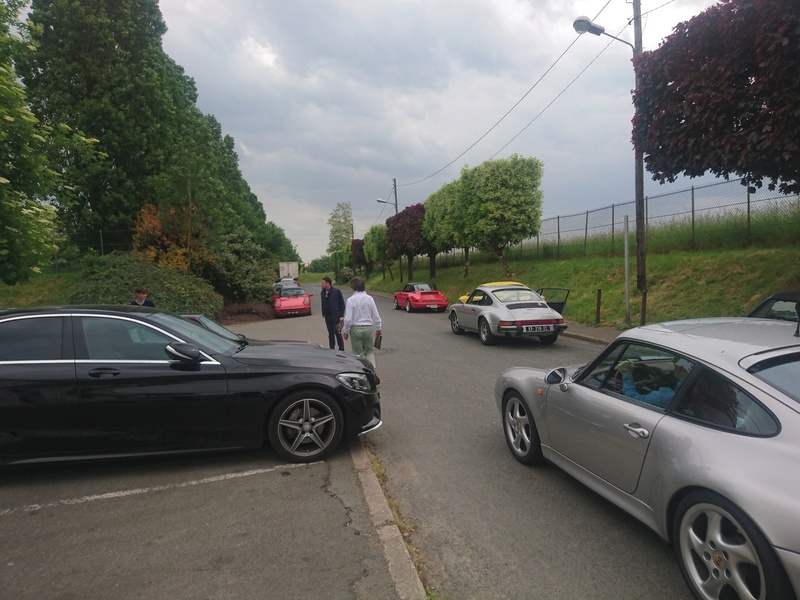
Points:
x=558, y=376
x=183, y=352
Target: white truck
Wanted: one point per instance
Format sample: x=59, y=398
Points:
x=288, y=269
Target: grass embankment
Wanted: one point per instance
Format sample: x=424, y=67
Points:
x=680, y=285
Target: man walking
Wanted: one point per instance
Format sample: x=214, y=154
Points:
x=333, y=312
x=362, y=323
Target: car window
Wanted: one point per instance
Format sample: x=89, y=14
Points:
x=423, y=287
x=782, y=373
x=644, y=373
x=408, y=289
x=783, y=310
x=121, y=339
x=714, y=400
x=479, y=297
x=37, y=338
x=292, y=292
x=517, y=295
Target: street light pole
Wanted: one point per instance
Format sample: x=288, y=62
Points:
x=584, y=25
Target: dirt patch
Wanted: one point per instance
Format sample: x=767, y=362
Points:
x=246, y=313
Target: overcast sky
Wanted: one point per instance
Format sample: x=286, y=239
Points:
x=329, y=100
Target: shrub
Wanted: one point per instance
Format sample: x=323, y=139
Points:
x=111, y=279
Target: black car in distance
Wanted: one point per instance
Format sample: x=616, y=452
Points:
x=85, y=382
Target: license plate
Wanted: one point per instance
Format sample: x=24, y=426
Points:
x=433, y=306
x=537, y=328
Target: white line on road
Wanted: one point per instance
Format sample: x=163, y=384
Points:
x=135, y=492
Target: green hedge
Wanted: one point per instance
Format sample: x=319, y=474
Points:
x=112, y=279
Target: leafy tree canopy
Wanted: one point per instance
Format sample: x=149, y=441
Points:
x=721, y=95
x=504, y=203
x=340, y=222
x=404, y=235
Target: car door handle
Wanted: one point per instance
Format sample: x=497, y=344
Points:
x=104, y=372
x=637, y=430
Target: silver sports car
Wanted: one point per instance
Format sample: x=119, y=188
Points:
x=693, y=427
x=495, y=311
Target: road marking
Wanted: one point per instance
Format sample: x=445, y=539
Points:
x=138, y=491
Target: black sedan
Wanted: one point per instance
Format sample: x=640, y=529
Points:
x=84, y=382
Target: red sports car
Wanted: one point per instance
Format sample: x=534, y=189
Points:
x=420, y=296
x=292, y=301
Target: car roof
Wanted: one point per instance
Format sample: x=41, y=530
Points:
x=791, y=296
x=82, y=308
x=502, y=286
x=723, y=341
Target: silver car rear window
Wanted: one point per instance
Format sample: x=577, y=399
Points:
x=781, y=372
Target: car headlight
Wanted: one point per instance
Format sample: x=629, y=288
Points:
x=355, y=381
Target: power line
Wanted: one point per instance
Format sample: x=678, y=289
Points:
x=475, y=143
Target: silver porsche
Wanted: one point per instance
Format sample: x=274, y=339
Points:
x=693, y=427
x=510, y=310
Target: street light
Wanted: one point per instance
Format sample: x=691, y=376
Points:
x=585, y=25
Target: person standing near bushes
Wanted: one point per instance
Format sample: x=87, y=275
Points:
x=333, y=312
x=141, y=298
x=362, y=323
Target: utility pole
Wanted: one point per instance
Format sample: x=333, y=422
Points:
x=641, y=223
x=394, y=191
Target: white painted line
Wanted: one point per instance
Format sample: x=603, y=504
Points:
x=158, y=488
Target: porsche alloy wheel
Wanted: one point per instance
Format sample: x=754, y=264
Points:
x=305, y=426
x=485, y=333
x=520, y=430
x=454, y=323
x=723, y=554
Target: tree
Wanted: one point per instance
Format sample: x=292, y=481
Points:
x=341, y=227
x=443, y=217
x=721, y=94
x=357, y=255
x=375, y=248
x=404, y=235
x=99, y=67
x=504, y=203
x=27, y=227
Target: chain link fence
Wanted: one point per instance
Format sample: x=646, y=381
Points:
x=718, y=215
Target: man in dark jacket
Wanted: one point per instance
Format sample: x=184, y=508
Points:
x=333, y=312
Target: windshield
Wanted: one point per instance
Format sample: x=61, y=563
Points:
x=196, y=333
x=517, y=295
x=292, y=292
x=782, y=372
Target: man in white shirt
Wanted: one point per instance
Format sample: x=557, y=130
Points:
x=362, y=322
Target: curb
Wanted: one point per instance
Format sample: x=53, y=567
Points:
x=401, y=568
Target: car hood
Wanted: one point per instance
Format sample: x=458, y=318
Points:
x=301, y=356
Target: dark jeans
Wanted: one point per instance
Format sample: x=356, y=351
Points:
x=334, y=337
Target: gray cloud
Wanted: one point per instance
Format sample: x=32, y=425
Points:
x=328, y=100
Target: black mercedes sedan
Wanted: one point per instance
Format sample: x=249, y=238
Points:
x=87, y=382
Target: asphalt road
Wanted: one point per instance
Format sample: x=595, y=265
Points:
x=245, y=525
x=487, y=527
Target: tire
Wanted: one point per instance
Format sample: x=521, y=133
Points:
x=396, y=305
x=454, y=323
x=548, y=339
x=520, y=430
x=485, y=333
x=723, y=554
x=408, y=306
x=305, y=426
